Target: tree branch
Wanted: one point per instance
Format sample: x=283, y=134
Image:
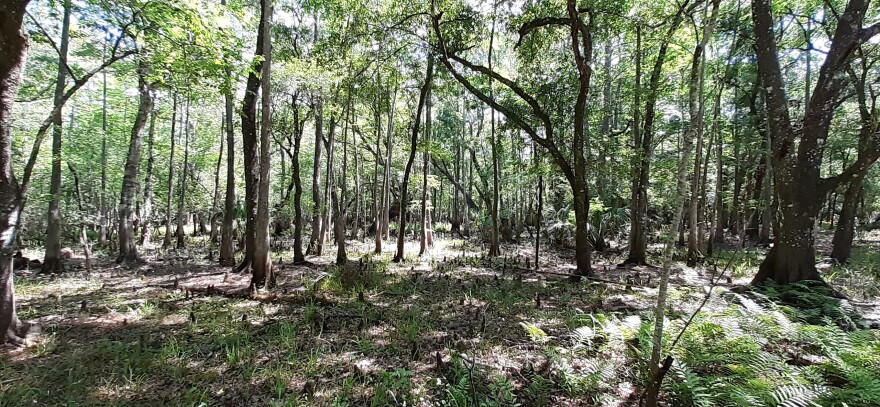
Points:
x=54, y=45
x=44, y=127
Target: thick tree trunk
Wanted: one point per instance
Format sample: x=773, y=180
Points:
x=404, y=187
x=798, y=150
x=52, y=259
x=13, y=47
x=166, y=241
x=127, y=245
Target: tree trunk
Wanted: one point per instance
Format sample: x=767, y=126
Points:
x=638, y=242
x=315, y=238
x=425, y=238
x=166, y=241
x=215, y=231
x=798, y=150
x=52, y=259
x=695, y=108
x=327, y=209
x=127, y=245
x=378, y=202
x=13, y=47
x=227, y=252
x=181, y=199
x=83, y=227
x=386, y=184
x=845, y=230
x=298, y=256
x=147, y=210
x=263, y=273
x=404, y=187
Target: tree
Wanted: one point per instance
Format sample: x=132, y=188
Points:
x=227, y=254
x=797, y=149
x=575, y=169
x=256, y=157
x=52, y=259
x=127, y=222
x=13, y=47
x=643, y=139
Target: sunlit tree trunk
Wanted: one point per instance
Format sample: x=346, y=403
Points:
x=127, y=245
x=263, y=273
x=147, y=209
x=425, y=235
x=52, y=259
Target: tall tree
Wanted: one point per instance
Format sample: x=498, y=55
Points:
x=13, y=47
x=256, y=156
x=644, y=141
x=127, y=243
x=798, y=148
x=399, y=256
x=147, y=209
x=227, y=254
x=184, y=175
x=52, y=259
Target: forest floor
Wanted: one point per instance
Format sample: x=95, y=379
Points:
x=449, y=328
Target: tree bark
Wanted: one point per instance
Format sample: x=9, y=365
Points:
x=263, y=272
x=166, y=241
x=13, y=47
x=845, y=229
x=215, y=231
x=798, y=150
x=52, y=258
x=147, y=209
x=298, y=255
x=227, y=252
x=127, y=246
x=425, y=238
x=695, y=109
x=181, y=196
x=315, y=238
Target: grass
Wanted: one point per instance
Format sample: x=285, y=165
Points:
x=459, y=334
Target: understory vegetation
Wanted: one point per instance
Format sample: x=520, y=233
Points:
x=466, y=331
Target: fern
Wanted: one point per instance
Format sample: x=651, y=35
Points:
x=798, y=395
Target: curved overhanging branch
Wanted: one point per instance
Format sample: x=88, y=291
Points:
x=446, y=57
